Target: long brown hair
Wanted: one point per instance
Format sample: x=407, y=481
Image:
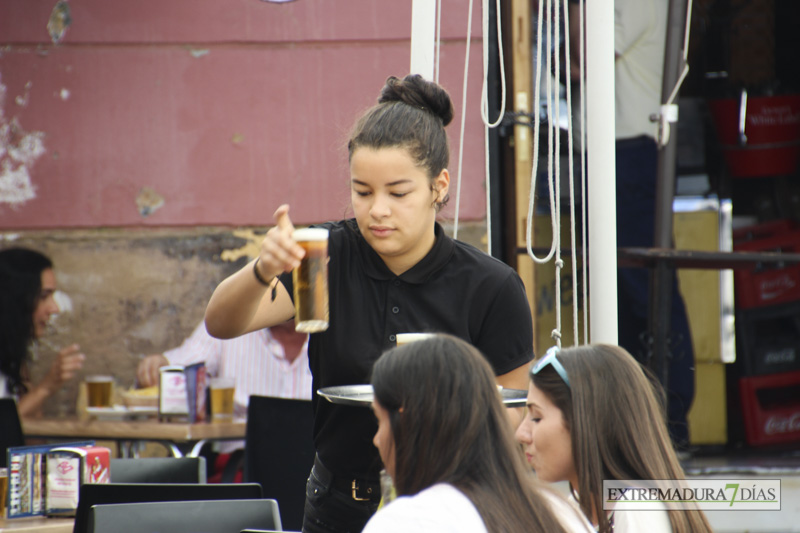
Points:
x=617, y=425
x=449, y=425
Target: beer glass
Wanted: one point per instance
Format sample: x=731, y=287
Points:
x=310, y=281
x=222, y=390
x=99, y=390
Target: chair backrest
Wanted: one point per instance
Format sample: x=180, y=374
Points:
x=210, y=516
x=10, y=428
x=279, y=452
x=159, y=470
x=91, y=494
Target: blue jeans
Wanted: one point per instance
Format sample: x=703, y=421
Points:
x=637, y=165
x=331, y=509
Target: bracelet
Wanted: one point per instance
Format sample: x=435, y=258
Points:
x=258, y=275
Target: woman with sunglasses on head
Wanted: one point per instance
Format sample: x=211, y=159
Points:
x=27, y=287
x=444, y=439
x=594, y=415
x=392, y=270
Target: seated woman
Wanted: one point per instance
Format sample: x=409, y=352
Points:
x=593, y=414
x=27, y=286
x=445, y=439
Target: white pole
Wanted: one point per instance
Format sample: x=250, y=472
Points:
x=602, y=204
x=423, y=37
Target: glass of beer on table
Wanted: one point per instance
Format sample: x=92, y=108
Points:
x=99, y=390
x=310, y=281
x=222, y=390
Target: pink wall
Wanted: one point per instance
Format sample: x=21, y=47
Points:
x=223, y=109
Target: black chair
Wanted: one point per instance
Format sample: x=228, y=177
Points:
x=209, y=516
x=91, y=494
x=159, y=470
x=279, y=452
x=10, y=428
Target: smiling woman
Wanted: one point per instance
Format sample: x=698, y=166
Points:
x=27, y=289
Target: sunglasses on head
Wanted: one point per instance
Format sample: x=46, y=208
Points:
x=551, y=359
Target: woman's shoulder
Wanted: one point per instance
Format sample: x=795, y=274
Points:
x=440, y=508
x=652, y=521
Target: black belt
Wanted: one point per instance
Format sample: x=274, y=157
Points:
x=361, y=490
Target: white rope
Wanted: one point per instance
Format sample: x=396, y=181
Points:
x=485, y=106
x=584, y=203
x=536, y=98
x=555, y=128
x=463, y=120
x=484, y=90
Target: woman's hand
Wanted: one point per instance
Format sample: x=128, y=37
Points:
x=67, y=363
x=253, y=299
x=279, y=251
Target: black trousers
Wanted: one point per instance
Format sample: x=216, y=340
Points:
x=334, y=506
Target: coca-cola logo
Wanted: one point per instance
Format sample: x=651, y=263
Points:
x=772, y=288
x=782, y=424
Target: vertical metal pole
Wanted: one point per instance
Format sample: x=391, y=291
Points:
x=423, y=37
x=662, y=275
x=602, y=200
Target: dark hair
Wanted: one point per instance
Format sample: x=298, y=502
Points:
x=454, y=429
x=20, y=288
x=411, y=113
x=617, y=425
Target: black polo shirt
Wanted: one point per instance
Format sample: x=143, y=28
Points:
x=455, y=289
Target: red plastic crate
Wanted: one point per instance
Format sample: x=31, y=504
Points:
x=763, y=230
x=773, y=283
x=773, y=420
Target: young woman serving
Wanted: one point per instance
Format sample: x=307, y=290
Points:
x=392, y=270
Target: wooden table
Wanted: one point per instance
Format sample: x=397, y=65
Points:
x=37, y=525
x=127, y=432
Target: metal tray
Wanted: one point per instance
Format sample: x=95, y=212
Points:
x=362, y=395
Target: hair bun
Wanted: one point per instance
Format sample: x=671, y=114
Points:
x=416, y=91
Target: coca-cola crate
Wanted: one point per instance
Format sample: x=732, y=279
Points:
x=763, y=230
x=768, y=339
x=771, y=408
x=769, y=283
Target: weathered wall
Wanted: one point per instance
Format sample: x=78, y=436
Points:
x=131, y=293
x=203, y=112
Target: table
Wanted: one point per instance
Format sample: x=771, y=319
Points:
x=126, y=432
x=37, y=525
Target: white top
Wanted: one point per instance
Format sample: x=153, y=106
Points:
x=640, y=32
x=636, y=521
x=256, y=360
x=443, y=508
x=649, y=521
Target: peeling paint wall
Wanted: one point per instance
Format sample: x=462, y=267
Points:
x=191, y=112
x=126, y=293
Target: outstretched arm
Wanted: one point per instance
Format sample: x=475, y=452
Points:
x=242, y=303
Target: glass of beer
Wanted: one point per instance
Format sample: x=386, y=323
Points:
x=310, y=281
x=99, y=390
x=222, y=389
